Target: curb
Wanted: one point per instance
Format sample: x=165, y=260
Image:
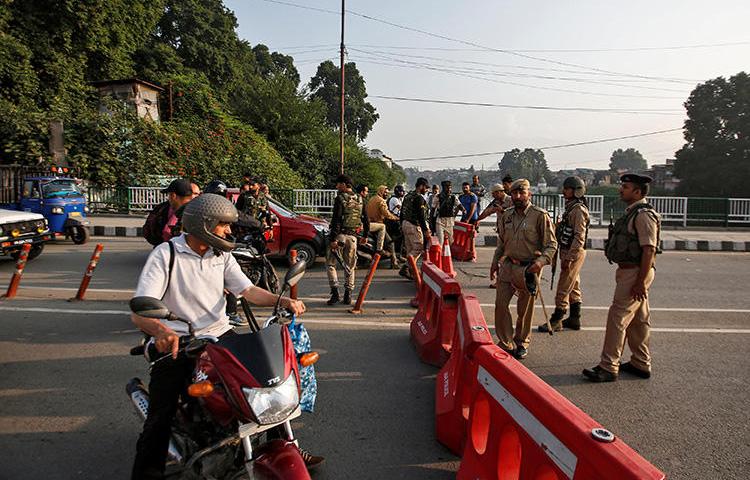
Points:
x=491, y=241
x=666, y=245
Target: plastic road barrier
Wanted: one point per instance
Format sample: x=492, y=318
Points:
x=89, y=273
x=366, y=285
x=434, y=252
x=433, y=325
x=463, y=249
x=15, y=280
x=457, y=380
x=521, y=428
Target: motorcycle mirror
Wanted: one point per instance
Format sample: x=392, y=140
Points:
x=295, y=273
x=149, y=307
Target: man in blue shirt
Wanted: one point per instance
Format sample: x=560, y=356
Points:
x=470, y=203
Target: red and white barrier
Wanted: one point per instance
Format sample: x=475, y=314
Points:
x=463, y=248
x=434, y=251
x=15, y=280
x=456, y=381
x=447, y=261
x=433, y=325
x=521, y=428
x=89, y=273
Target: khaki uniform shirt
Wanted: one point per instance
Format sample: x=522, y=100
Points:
x=521, y=234
x=578, y=218
x=645, y=225
x=377, y=210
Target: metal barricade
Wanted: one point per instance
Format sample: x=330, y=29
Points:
x=671, y=209
x=739, y=210
x=107, y=199
x=143, y=199
x=314, y=202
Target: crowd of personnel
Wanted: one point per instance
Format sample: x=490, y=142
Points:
x=198, y=225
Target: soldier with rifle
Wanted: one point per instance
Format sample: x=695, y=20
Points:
x=348, y=222
x=571, y=233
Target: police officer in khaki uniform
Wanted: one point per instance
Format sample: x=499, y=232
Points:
x=414, y=215
x=526, y=243
x=571, y=233
x=349, y=220
x=632, y=244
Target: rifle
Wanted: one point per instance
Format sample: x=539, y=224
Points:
x=339, y=258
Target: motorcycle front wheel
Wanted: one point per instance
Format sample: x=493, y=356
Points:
x=272, y=279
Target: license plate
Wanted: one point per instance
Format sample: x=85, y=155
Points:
x=74, y=214
x=25, y=240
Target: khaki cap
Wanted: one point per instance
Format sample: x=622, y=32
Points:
x=498, y=187
x=520, y=184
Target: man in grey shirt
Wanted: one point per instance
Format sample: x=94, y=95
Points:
x=192, y=288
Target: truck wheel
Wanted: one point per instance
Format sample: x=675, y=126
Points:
x=80, y=235
x=305, y=252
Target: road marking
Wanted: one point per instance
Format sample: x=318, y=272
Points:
x=360, y=323
x=405, y=302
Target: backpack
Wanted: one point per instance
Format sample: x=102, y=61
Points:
x=157, y=218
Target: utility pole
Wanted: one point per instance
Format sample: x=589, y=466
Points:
x=341, y=126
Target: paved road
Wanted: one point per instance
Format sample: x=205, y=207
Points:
x=65, y=414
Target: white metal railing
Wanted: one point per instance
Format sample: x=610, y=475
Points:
x=739, y=210
x=314, y=201
x=144, y=198
x=671, y=209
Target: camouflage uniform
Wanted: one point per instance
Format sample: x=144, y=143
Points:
x=348, y=221
x=414, y=214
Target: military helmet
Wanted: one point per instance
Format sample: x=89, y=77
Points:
x=203, y=214
x=216, y=187
x=577, y=184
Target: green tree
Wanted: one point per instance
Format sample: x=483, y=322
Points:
x=529, y=164
x=715, y=161
x=359, y=115
x=630, y=160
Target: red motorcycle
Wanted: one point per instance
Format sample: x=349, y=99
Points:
x=235, y=421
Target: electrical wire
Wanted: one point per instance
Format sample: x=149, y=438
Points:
x=551, y=147
x=467, y=73
x=650, y=111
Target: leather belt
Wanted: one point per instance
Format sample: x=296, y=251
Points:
x=628, y=265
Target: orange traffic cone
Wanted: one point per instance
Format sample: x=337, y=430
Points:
x=447, y=261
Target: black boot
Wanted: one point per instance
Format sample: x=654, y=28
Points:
x=555, y=321
x=334, y=297
x=573, y=322
x=347, y=297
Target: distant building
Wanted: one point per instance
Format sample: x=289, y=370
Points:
x=663, y=176
x=142, y=95
x=378, y=154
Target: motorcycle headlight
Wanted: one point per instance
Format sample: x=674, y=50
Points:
x=57, y=210
x=275, y=404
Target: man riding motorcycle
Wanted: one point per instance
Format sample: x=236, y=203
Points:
x=189, y=274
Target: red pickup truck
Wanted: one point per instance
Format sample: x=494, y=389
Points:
x=291, y=230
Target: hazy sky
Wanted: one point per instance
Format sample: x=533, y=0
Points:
x=408, y=129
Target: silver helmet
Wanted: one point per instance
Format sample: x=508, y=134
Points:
x=201, y=216
x=577, y=184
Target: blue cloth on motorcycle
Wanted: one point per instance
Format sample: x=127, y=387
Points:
x=302, y=345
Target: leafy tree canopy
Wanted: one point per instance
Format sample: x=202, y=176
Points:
x=715, y=160
x=359, y=115
x=630, y=160
x=529, y=164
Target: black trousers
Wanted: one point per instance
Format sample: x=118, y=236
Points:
x=169, y=380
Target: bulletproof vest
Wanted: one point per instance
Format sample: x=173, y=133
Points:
x=352, y=217
x=564, y=231
x=410, y=209
x=622, y=246
x=446, y=205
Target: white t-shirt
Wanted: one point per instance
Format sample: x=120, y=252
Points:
x=196, y=291
x=394, y=205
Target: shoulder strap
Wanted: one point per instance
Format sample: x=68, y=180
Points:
x=171, y=267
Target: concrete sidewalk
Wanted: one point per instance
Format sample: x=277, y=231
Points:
x=672, y=239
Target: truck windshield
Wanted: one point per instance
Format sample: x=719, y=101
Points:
x=61, y=188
